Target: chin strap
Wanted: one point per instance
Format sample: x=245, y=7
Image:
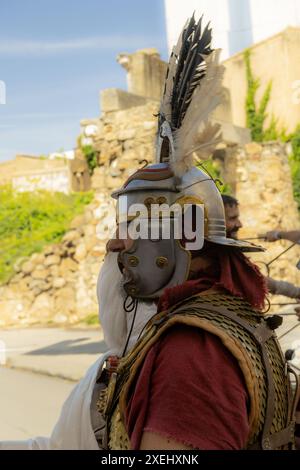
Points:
x=129, y=305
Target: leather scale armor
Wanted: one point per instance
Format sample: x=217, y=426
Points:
x=249, y=336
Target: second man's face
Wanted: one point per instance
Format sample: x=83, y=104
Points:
x=233, y=223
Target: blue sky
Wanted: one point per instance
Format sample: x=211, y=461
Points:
x=55, y=57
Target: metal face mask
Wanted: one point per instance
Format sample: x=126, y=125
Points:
x=152, y=265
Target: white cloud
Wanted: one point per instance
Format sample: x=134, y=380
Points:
x=19, y=47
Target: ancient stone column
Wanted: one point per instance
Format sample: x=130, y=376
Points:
x=145, y=72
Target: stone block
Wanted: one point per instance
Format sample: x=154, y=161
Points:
x=78, y=221
x=42, y=301
x=71, y=236
x=40, y=274
x=126, y=134
x=67, y=264
x=37, y=258
x=113, y=99
x=52, y=259
x=80, y=252
x=58, y=282
x=27, y=267
x=253, y=147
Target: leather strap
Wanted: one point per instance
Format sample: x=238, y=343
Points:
x=261, y=333
x=283, y=437
x=294, y=414
x=265, y=437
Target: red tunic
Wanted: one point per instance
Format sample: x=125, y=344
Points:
x=190, y=389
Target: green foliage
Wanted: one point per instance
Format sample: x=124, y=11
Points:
x=212, y=168
x=31, y=220
x=295, y=141
x=295, y=163
x=92, y=319
x=295, y=172
x=271, y=133
x=256, y=115
x=91, y=156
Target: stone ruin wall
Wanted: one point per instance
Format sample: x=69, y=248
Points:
x=28, y=173
x=58, y=286
x=124, y=140
x=260, y=178
x=55, y=180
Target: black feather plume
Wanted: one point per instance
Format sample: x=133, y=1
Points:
x=191, y=68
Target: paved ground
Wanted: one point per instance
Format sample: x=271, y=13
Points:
x=64, y=353
x=34, y=364
x=29, y=403
x=68, y=353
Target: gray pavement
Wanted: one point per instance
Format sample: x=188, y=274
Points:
x=38, y=367
x=59, y=352
x=30, y=403
x=68, y=353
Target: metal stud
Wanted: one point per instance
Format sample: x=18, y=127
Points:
x=267, y=444
x=161, y=200
x=162, y=262
x=148, y=201
x=133, y=261
x=132, y=290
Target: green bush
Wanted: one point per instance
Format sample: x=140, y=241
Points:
x=91, y=156
x=256, y=114
x=91, y=319
x=31, y=220
x=295, y=163
x=212, y=168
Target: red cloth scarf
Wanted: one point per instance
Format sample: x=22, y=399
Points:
x=231, y=271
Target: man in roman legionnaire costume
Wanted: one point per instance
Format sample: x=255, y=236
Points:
x=206, y=371
x=192, y=362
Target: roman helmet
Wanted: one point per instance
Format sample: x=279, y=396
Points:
x=158, y=197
